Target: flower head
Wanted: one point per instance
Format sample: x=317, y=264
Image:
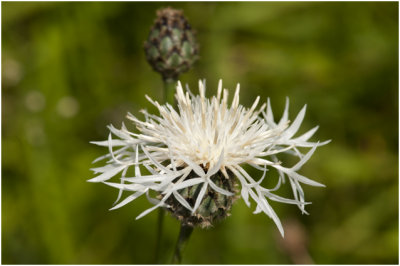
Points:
x=194, y=157
x=171, y=47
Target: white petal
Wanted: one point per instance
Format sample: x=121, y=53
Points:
x=128, y=187
x=299, y=177
x=219, y=90
x=197, y=169
x=109, y=155
x=111, y=150
x=304, y=159
x=218, y=189
x=148, y=211
x=161, y=167
x=189, y=183
x=285, y=115
x=299, y=194
x=119, y=133
x=217, y=166
x=269, y=116
x=160, y=204
x=296, y=124
x=235, y=101
x=122, y=182
x=200, y=197
x=105, y=143
x=137, y=168
x=266, y=208
x=257, y=210
x=245, y=195
x=274, y=197
x=152, y=200
x=182, y=201
x=302, y=143
x=306, y=136
x=147, y=178
x=127, y=200
x=107, y=175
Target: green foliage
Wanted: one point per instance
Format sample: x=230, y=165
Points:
x=69, y=69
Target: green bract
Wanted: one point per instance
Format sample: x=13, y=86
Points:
x=171, y=48
x=213, y=207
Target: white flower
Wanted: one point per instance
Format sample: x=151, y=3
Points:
x=202, y=138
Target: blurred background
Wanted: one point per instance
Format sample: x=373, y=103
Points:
x=70, y=69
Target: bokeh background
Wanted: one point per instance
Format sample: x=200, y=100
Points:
x=70, y=69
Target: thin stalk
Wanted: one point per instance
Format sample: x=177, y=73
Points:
x=169, y=93
x=160, y=221
x=183, y=238
x=169, y=90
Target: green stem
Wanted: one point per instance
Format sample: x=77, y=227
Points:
x=169, y=90
x=169, y=93
x=184, y=236
x=160, y=222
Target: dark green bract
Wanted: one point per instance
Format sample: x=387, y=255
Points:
x=214, y=206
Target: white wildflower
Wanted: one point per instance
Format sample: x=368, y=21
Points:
x=204, y=138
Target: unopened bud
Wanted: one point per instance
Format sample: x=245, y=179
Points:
x=171, y=48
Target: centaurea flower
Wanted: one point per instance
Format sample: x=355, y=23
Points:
x=195, y=156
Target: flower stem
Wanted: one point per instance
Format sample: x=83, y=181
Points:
x=169, y=90
x=160, y=222
x=184, y=236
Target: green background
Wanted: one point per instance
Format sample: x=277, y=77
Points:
x=70, y=69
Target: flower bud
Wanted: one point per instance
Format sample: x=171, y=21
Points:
x=171, y=48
